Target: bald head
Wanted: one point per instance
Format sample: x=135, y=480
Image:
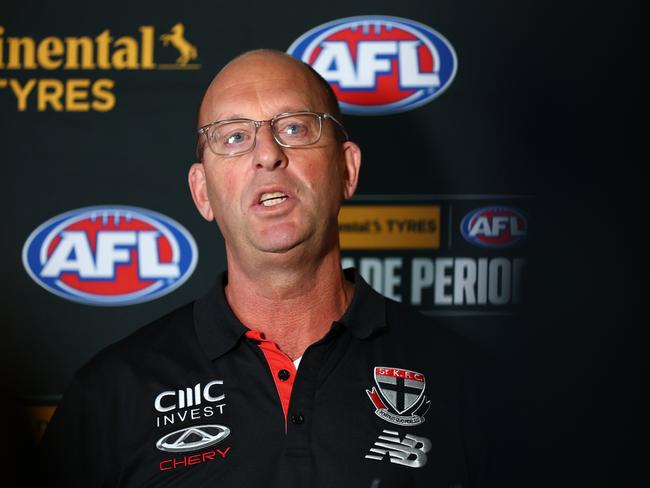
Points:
x=252, y=72
x=265, y=63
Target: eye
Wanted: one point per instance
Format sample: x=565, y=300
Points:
x=235, y=138
x=298, y=129
x=293, y=128
x=232, y=135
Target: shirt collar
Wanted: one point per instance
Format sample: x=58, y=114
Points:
x=218, y=329
x=366, y=313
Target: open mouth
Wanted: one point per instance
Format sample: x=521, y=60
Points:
x=271, y=199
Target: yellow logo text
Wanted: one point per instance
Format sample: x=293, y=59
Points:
x=389, y=227
x=104, y=52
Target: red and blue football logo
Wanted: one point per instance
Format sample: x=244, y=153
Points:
x=110, y=255
x=379, y=65
x=495, y=227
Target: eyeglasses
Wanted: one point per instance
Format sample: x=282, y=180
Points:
x=292, y=129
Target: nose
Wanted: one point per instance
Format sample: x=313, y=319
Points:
x=268, y=154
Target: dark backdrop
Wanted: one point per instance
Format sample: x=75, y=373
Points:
x=549, y=101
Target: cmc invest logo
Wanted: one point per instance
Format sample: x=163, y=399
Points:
x=110, y=255
x=379, y=65
x=495, y=227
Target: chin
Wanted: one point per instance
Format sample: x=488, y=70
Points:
x=280, y=238
x=279, y=244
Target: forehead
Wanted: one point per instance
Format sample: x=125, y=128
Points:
x=260, y=88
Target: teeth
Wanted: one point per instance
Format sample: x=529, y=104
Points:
x=270, y=199
x=273, y=201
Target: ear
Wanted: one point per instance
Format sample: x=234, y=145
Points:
x=352, y=165
x=199, y=190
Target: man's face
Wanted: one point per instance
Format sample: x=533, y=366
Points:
x=302, y=187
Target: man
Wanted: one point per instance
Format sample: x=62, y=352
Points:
x=290, y=372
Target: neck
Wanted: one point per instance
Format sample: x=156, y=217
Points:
x=291, y=306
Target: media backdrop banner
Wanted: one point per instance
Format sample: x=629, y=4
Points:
x=481, y=154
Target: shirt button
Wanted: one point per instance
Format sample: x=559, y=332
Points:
x=284, y=375
x=297, y=418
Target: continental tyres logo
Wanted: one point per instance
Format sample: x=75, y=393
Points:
x=390, y=227
x=69, y=58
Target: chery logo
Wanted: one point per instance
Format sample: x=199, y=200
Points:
x=193, y=438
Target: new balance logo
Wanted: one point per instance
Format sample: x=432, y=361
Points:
x=410, y=451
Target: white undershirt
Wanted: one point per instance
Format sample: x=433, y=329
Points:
x=296, y=362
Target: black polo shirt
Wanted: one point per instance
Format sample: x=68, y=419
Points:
x=383, y=400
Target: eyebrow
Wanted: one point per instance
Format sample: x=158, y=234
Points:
x=283, y=109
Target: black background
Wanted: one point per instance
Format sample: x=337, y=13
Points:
x=549, y=100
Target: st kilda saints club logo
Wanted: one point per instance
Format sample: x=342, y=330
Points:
x=399, y=396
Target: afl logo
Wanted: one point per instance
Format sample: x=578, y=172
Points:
x=110, y=255
x=495, y=227
x=379, y=65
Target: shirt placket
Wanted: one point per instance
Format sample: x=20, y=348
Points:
x=301, y=387
x=283, y=370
